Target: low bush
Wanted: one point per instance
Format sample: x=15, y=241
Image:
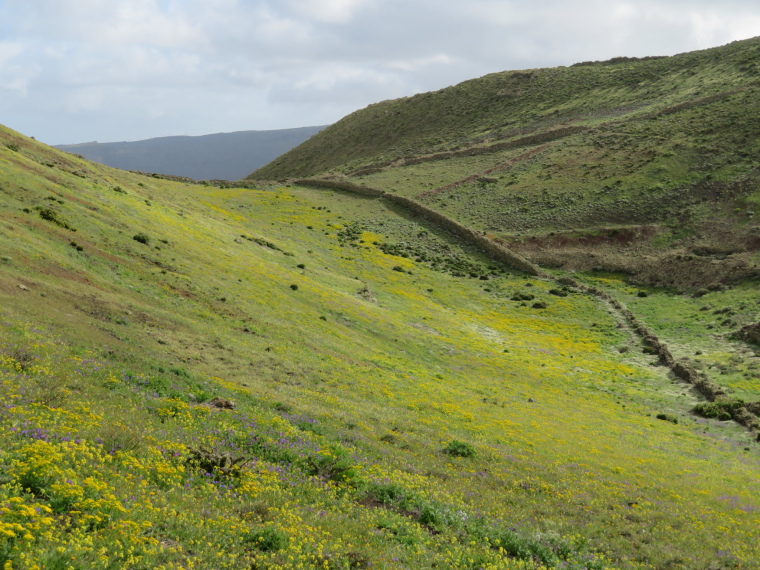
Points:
x=668, y=418
x=719, y=409
x=458, y=448
x=53, y=216
x=267, y=539
x=335, y=464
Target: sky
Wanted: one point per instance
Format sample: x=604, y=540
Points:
x=120, y=70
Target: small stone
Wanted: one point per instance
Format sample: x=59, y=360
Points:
x=221, y=404
x=23, y=287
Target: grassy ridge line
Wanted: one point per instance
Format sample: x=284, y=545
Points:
x=493, y=250
x=681, y=369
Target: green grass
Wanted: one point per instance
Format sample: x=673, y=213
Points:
x=511, y=104
x=699, y=329
x=351, y=393
x=669, y=154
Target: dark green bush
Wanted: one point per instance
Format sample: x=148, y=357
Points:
x=141, y=238
x=267, y=539
x=52, y=216
x=668, y=418
x=387, y=494
x=721, y=410
x=458, y=448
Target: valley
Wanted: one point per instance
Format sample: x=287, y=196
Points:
x=381, y=351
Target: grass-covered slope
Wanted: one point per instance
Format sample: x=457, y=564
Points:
x=281, y=377
x=631, y=165
x=513, y=104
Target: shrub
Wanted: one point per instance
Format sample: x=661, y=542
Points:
x=141, y=238
x=294, y=287
x=668, y=418
x=523, y=548
x=384, y=493
x=522, y=297
x=52, y=216
x=181, y=372
x=267, y=539
x=334, y=464
x=458, y=448
x=721, y=410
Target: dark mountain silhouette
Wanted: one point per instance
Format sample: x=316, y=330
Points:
x=221, y=156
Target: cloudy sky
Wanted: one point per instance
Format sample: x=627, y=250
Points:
x=114, y=70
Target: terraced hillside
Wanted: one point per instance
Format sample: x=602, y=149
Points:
x=283, y=376
x=631, y=164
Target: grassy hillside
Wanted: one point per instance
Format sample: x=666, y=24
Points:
x=629, y=165
x=512, y=104
x=286, y=377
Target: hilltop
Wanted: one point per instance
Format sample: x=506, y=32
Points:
x=632, y=165
x=220, y=156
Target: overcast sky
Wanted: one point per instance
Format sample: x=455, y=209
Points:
x=113, y=70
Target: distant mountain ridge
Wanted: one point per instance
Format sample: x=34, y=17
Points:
x=220, y=156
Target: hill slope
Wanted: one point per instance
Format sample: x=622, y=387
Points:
x=509, y=105
x=631, y=165
x=287, y=377
x=221, y=156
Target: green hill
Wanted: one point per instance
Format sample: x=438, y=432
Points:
x=509, y=105
x=297, y=376
x=630, y=164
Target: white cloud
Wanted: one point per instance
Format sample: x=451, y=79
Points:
x=9, y=51
x=330, y=11
x=101, y=69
